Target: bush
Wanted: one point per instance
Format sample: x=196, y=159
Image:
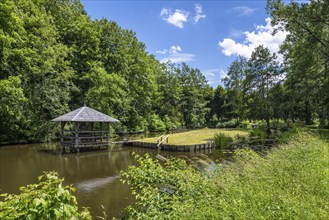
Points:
x=241, y=139
x=227, y=124
x=222, y=141
x=166, y=191
x=245, y=124
x=48, y=199
x=257, y=133
x=168, y=123
x=156, y=124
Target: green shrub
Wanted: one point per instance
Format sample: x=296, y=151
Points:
x=245, y=124
x=241, y=139
x=156, y=124
x=168, y=123
x=257, y=133
x=227, y=124
x=166, y=191
x=222, y=141
x=48, y=199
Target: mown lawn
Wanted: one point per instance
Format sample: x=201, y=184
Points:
x=198, y=136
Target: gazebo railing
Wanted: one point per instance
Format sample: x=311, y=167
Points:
x=85, y=138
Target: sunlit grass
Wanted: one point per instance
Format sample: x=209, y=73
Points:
x=289, y=182
x=198, y=136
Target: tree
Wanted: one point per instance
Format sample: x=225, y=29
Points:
x=218, y=103
x=306, y=51
x=262, y=74
x=234, y=85
x=193, y=103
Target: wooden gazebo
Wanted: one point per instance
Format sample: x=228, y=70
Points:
x=85, y=127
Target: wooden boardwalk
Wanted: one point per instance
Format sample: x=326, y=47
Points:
x=171, y=147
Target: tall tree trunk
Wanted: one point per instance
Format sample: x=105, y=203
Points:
x=308, y=113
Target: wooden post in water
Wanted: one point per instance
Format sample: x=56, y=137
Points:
x=62, y=130
x=108, y=133
x=77, y=125
x=101, y=125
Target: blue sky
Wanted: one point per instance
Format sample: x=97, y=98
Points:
x=207, y=35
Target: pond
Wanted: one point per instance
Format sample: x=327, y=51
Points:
x=95, y=175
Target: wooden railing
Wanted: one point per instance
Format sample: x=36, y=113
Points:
x=162, y=140
x=159, y=139
x=85, y=138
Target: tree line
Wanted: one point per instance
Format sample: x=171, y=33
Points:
x=54, y=58
x=297, y=89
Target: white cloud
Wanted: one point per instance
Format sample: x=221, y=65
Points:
x=198, y=11
x=178, y=58
x=261, y=36
x=177, y=18
x=161, y=51
x=164, y=12
x=175, y=49
x=175, y=55
x=243, y=10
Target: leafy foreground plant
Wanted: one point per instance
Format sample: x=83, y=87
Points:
x=222, y=141
x=290, y=182
x=48, y=199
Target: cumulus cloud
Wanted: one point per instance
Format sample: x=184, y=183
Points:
x=179, y=17
x=243, y=10
x=198, y=13
x=176, y=18
x=175, y=55
x=161, y=51
x=261, y=36
x=175, y=49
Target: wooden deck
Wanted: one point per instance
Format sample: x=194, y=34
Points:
x=171, y=147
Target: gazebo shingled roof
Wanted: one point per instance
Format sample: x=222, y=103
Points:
x=85, y=114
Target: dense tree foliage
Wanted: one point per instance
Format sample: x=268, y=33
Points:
x=260, y=88
x=306, y=52
x=262, y=74
x=54, y=58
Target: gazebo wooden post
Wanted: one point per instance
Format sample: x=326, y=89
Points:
x=101, y=125
x=108, y=133
x=77, y=124
x=63, y=123
x=62, y=130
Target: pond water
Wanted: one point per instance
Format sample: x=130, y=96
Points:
x=95, y=175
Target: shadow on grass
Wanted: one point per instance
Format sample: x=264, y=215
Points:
x=323, y=134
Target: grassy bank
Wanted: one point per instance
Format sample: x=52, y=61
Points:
x=198, y=136
x=290, y=182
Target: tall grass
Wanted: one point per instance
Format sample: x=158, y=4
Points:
x=290, y=182
x=222, y=141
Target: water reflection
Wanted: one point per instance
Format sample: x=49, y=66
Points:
x=95, y=174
